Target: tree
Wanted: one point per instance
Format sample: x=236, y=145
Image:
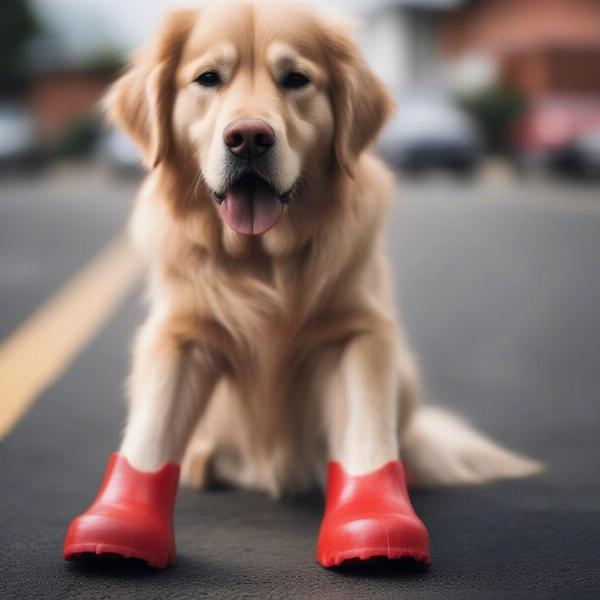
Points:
x=17, y=26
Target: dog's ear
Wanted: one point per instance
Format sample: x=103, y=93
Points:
x=361, y=102
x=141, y=100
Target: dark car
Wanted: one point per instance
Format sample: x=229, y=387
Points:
x=19, y=147
x=581, y=156
x=430, y=131
x=560, y=134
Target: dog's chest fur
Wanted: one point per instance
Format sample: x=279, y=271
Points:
x=278, y=321
x=262, y=422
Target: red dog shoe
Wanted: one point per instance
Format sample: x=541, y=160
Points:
x=132, y=516
x=370, y=516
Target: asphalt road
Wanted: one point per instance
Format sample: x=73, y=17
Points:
x=500, y=292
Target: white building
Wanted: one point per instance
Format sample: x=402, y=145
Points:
x=402, y=43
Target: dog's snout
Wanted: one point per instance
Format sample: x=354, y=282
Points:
x=248, y=138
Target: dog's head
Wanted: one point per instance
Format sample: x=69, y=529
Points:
x=261, y=99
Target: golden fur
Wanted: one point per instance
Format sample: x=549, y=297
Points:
x=279, y=350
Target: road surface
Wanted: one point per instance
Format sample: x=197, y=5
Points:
x=499, y=288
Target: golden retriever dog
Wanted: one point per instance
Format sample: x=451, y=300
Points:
x=271, y=345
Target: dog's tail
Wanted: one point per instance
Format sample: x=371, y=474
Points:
x=440, y=449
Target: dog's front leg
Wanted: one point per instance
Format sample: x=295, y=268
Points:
x=171, y=382
x=362, y=404
x=368, y=512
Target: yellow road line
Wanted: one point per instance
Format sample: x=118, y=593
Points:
x=40, y=350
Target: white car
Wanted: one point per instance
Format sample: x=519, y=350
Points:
x=121, y=153
x=431, y=131
x=18, y=138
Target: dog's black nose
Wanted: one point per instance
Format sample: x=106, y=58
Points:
x=248, y=138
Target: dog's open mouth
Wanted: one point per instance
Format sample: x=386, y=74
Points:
x=251, y=206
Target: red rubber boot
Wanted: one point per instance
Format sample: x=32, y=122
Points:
x=132, y=516
x=368, y=516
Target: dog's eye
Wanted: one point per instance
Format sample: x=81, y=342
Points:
x=208, y=79
x=294, y=80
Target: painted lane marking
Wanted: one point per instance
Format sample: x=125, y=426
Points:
x=43, y=346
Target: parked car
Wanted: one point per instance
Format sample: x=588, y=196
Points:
x=561, y=134
x=120, y=153
x=581, y=156
x=431, y=131
x=18, y=139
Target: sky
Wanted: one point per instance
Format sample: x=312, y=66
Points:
x=85, y=26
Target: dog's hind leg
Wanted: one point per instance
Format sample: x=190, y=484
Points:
x=196, y=469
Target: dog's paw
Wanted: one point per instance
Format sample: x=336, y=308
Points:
x=195, y=468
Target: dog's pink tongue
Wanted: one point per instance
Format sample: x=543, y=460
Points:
x=251, y=211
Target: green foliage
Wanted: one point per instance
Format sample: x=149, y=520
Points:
x=78, y=139
x=17, y=26
x=107, y=62
x=496, y=110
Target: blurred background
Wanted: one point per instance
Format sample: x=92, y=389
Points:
x=495, y=242
x=514, y=81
